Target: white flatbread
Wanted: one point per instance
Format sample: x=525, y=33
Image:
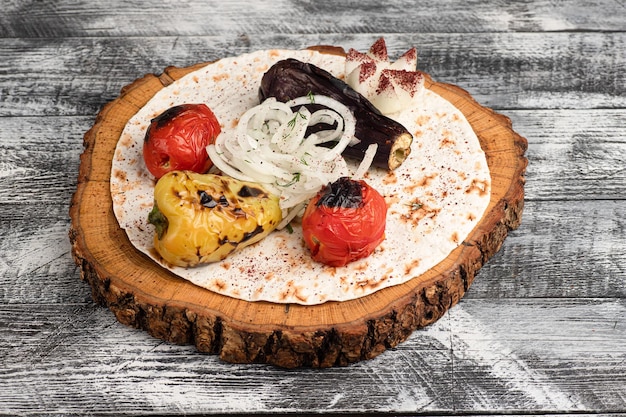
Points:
x=435, y=197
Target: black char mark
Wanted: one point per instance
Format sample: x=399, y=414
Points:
x=344, y=193
x=250, y=192
x=169, y=114
x=164, y=118
x=206, y=199
x=246, y=236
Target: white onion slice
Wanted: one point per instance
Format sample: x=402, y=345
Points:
x=366, y=162
x=270, y=146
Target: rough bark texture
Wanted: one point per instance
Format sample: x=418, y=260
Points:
x=143, y=295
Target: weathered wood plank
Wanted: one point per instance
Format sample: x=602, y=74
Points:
x=170, y=18
x=484, y=356
x=574, y=250
x=76, y=76
x=573, y=155
x=36, y=266
x=528, y=343
x=40, y=159
x=87, y=345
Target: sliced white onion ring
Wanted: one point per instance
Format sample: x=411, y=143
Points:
x=270, y=146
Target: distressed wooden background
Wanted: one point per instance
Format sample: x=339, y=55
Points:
x=541, y=331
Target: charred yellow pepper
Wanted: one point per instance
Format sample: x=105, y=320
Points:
x=202, y=218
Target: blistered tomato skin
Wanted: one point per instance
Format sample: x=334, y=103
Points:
x=344, y=222
x=176, y=140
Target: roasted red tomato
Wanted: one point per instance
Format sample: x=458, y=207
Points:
x=176, y=140
x=344, y=222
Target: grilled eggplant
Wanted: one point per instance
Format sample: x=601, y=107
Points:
x=290, y=78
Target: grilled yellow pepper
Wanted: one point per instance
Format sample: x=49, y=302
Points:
x=202, y=218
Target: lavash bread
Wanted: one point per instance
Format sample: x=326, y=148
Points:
x=434, y=198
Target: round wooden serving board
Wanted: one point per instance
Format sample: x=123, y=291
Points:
x=142, y=294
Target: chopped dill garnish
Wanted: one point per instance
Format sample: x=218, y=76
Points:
x=292, y=122
x=295, y=179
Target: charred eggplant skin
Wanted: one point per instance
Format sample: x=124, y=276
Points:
x=291, y=78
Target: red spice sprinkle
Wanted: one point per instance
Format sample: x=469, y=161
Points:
x=354, y=55
x=410, y=55
x=407, y=80
x=379, y=50
x=368, y=69
x=384, y=83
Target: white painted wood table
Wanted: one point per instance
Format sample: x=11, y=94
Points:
x=542, y=330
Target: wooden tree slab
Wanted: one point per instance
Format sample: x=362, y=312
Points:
x=142, y=294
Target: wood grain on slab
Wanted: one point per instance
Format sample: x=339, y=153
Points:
x=142, y=294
